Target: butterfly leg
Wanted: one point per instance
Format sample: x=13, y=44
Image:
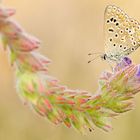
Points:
x=110, y=64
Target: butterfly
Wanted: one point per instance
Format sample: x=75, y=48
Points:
x=121, y=34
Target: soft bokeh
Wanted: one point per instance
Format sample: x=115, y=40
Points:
x=69, y=30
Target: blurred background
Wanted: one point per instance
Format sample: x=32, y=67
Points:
x=69, y=30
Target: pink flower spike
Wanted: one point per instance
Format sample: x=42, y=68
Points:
x=49, y=106
x=42, y=58
x=32, y=62
x=10, y=28
x=78, y=108
x=11, y=11
x=34, y=39
x=24, y=43
x=28, y=43
x=6, y=12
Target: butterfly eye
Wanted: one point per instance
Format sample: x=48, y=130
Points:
x=114, y=45
x=120, y=46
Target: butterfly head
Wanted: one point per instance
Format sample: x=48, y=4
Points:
x=104, y=57
x=100, y=55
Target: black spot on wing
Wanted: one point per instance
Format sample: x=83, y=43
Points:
x=110, y=30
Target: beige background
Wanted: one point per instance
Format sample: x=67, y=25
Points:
x=69, y=30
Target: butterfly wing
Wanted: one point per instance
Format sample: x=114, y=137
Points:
x=122, y=33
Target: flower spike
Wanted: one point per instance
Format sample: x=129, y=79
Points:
x=43, y=93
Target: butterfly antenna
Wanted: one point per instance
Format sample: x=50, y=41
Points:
x=94, y=59
x=95, y=53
